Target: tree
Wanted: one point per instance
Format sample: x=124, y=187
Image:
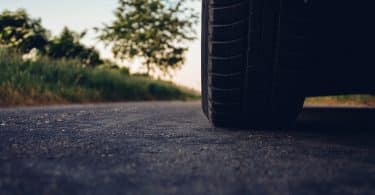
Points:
x=68, y=45
x=153, y=30
x=19, y=31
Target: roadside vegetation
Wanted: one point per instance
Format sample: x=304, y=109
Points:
x=51, y=81
x=153, y=31
x=349, y=100
x=37, y=68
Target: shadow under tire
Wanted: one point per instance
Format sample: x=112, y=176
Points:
x=243, y=84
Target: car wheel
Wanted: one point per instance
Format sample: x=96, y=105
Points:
x=243, y=81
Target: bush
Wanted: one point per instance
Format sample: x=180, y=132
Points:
x=46, y=81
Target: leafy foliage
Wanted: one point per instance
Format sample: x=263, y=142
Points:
x=67, y=45
x=153, y=30
x=18, y=30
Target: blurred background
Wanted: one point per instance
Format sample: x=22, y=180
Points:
x=76, y=51
x=95, y=51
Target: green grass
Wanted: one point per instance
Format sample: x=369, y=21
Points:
x=47, y=81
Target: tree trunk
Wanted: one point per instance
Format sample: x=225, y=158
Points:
x=148, y=67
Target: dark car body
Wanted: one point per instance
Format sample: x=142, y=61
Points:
x=261, y=58
x=340, y=48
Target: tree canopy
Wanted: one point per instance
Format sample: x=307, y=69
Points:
x=155, y=31
x=68, y=45
x=19, y=31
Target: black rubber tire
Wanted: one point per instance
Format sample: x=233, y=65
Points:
x=250, y=62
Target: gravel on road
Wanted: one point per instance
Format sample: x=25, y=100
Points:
x=170, y=148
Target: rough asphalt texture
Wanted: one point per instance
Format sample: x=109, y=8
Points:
x=170, y=148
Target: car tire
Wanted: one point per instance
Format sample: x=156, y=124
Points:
x=244, y=83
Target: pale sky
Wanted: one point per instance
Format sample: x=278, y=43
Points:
x=79, y=15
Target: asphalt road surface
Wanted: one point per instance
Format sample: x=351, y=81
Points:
x=170, y=148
